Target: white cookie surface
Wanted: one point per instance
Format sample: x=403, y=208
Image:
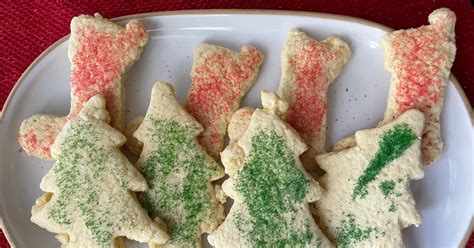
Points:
x=178, y=171
x=270, y=188
x=367, y=199
x=90, y=200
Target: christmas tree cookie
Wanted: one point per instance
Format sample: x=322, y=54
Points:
x=90, y=200
x=178, y=171
x=308, y=68
x=368, y=199
x=100, y=52
x=269, y=186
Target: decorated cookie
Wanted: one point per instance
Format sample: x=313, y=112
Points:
x=269, y=186
x=178, y=171
x=90, y=200
x=308, y=67
x=420, y=61
x=220, y=78
x=100, y=52
x=367, y=198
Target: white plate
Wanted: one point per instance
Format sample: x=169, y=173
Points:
x=357, y=100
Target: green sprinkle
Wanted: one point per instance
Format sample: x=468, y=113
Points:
x=178, y=172
x=273, y=187
x=392, y=145
x=392, y=208
x=387, y=187
x=349, y=232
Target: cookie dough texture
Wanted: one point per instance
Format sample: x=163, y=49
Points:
x=178, y=171
x=367, y=200
x=100, y=52
x=90, y=200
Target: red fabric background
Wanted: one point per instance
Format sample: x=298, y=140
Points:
x=29, y=27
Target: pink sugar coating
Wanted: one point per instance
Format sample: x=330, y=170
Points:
x=418, y=67
x=310, y=67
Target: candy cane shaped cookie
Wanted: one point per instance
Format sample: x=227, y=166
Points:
x=308, y=67
x=100, y=52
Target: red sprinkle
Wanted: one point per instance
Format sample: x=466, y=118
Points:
x=418, y=62
x=310, y=67
x=217, y=87
x=31, y=140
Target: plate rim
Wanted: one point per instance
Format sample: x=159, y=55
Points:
x=357, y=20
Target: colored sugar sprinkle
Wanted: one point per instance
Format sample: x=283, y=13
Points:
x=307, y=113
x=349, y=232
x=78, y=170
x=387, y=187
x=99, y=63
x=272, y=187
x=392, y=145
x=420, y=67
x=179, y=174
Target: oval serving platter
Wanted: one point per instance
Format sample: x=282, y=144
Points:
x=356, y=101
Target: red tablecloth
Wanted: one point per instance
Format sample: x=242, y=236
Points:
x=29, y=27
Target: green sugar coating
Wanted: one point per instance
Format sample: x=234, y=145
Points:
x=387, y=187
x=79, y=170
x=178, y=172
x=349, y=232
x=273, y=190
x=392, y=145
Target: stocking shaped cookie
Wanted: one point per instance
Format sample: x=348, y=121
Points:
x=178, y=170
x=100, y=52
x=420, y=60
x=308, y=67
x=270, y=188
x=90, y=186
x=368, y=199
x=220, y=78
